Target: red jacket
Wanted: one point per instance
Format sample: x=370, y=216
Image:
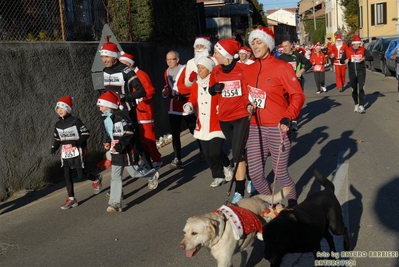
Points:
x=231, y=108
x=144, y=108
x=178, y=93
x=318, y=60
x=336, y=54
x=274, y=85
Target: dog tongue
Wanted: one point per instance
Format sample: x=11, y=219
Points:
x=191, y=252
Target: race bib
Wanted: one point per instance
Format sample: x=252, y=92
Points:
x=317, y=67
x=257, y=96
x=293, y=64
x=356, y=58
x=232, y=89
x=69, y=151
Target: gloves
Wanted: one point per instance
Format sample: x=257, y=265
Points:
x=216, y=88
x=138, y=100
x=193, y=76
x=188, y=108
x=286, y=122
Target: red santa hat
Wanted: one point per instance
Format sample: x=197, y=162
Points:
x=338, y=37
x=109, y=49
x=203, y=41
x=207, y=62
x=317, y=44
x=110, y=99
x=126, y=57
x=243, y=49
x=228, y=48
x=356, y=39
x=264, y=34
x=64, y=102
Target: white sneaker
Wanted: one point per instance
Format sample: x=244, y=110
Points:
x=228, y=173
x=217, y=182
x=356, y=108
x=324, y=89
x=318, y=92
x=153, y=182
x=361, y=109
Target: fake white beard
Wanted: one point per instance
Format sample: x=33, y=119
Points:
x=200, y=53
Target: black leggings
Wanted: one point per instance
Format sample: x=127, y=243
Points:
x=216, y=158
x=175, y=125
x=357, y=84
x=236, y=133
x=319, y=78
x=81, y=174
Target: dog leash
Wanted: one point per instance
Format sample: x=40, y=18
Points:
x=280, y=150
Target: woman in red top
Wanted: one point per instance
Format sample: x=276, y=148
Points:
x=318, y=60
x=232, y=100
x=277, y=98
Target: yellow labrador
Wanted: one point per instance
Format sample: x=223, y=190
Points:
x=213, y=230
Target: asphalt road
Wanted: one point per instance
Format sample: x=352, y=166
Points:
x=359, y=152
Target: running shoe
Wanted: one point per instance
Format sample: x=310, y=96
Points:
x=237, y=197
x=153, y=182
x=228, y=173
x=97, y=184
x=217, y=182
x=176, y=164
x=69, y=203
x=361, y=109
x=114, y=209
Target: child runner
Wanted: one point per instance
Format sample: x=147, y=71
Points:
x=119, y=128
x=71, y=134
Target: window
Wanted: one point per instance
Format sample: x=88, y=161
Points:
x=360, y=17
x=379, y=14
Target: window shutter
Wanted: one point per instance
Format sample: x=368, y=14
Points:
x=384, y=7
x=372, y=15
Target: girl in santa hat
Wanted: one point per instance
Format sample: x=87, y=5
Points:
x=277, y=99
x=318, y=60
x=71, y=135
x=207, y=129
x=232, y=98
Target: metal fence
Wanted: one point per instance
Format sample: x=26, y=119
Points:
x=52, y=20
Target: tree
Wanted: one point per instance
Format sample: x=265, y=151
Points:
x=319, y=34
x=351, y=15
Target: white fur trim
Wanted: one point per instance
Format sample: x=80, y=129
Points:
x=202, y=41
x=223, y=51
x=105, y=103
x=108, y=53
x=263, y=36
x=64, y=106
x=126, y=59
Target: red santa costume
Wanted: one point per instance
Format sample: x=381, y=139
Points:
x=340, y=69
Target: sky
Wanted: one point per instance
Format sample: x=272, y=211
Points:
x=273, y=4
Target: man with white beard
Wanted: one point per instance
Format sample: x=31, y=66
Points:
x=202, y=48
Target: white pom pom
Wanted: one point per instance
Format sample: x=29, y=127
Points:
x=236, y=56
x=122, y=53
x=259, y=236
x=120, y=107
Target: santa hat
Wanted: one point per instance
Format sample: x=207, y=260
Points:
x=110, y=99
x=109, y=49
x=65, y=102
x=207, y=62
x=203, y=41
x=243, y=49
x=265, y=35
x=338, y=37
x=317, y=45
x=228, y=48
x=356, y=39
x=126, y=57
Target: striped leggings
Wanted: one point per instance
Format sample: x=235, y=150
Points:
x=262, y=142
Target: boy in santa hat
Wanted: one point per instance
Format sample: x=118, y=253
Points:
x=71, y=135
x=144, y=111
x=120, y=131
x=354, y=57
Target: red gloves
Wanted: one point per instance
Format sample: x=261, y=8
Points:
x=193, y=76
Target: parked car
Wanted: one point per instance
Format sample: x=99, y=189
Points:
x=369, y=64
x=391, y=63
x=378, y=54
